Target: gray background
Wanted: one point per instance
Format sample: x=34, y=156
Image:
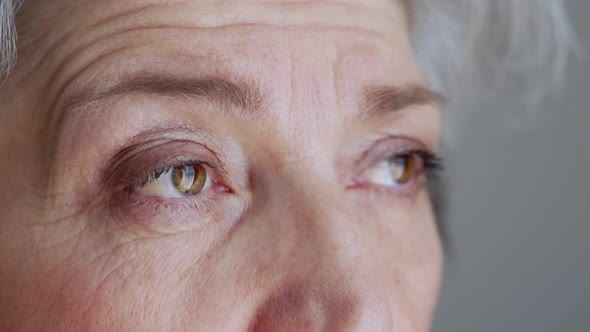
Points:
x=519, y=213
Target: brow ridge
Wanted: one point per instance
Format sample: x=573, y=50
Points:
x=236, y=96
x=384, y=99
x=219, y=91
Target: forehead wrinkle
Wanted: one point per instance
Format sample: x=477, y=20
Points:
x=128, y=28
x=140, y=17
x=69, y=35
x=78, y=52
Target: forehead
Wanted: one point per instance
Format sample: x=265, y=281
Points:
x=70, y=33
x=303, y=55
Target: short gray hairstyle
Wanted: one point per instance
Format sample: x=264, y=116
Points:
x=457, y=42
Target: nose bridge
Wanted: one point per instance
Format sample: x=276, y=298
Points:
x=330, y=229
x=307, y=200
x=322, y=267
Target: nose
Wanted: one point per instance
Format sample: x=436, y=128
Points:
x=323, y=275
x=305, y=305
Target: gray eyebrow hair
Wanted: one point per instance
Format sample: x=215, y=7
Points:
x=222, y=92
x=379, y=99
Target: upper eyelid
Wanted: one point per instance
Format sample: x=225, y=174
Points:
x=160, y=135
x=128, y=169
x=384, y=148
x=206, y=164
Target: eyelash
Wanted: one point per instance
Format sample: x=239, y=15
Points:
x=432, y=164
x=154, y=175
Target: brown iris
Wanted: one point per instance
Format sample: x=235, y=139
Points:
x=402, y=168
x=189, y=179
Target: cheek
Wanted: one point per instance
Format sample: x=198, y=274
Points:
x=133, y=286
x=411, y=258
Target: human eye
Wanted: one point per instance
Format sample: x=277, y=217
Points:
x=402, y=168
x=186, y=179
x=171, y=187
x=397, y=164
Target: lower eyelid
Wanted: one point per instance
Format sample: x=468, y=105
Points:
x=407, y=190
x=212, y=190
x=141, y=207
x=164, y=215
x=179, y=200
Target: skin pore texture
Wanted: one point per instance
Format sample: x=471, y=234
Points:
x=286, y=103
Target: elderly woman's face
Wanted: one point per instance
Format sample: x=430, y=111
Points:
x=217, y=166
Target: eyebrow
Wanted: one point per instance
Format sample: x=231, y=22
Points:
x=384, y=99
x=222, y=92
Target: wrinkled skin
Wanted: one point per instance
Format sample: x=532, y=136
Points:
x=284, y=238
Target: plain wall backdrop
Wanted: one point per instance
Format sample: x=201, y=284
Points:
x=519, y=212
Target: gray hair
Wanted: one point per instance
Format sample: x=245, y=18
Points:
x=8, y=9
x=502, y=46
x=457, y=42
